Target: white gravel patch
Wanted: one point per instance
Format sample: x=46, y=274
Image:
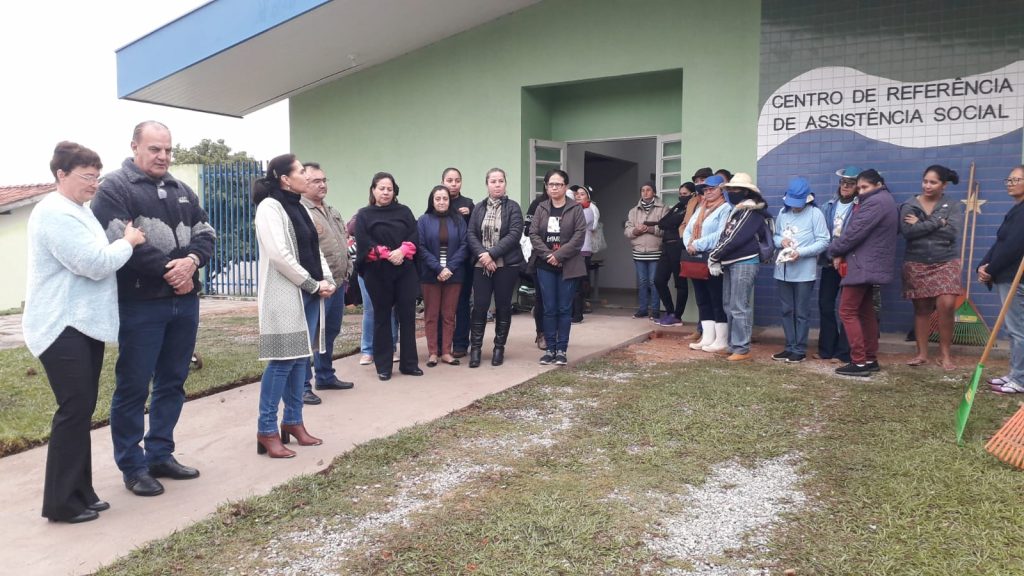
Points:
x=326, y=546
x=736, y=507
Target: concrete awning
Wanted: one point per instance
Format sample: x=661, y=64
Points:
x=234, y=57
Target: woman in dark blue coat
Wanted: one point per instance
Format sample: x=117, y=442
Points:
x=442, y=256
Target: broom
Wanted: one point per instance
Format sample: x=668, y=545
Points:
x=964, y=410
x=969, y=327
x=933, y=326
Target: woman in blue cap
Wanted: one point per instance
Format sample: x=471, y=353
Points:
x=832, y=342
x=802, y=235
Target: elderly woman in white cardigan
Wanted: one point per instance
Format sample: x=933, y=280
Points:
x=294, y=278
x=70, y=311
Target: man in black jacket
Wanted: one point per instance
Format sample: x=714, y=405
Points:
x=159, y=305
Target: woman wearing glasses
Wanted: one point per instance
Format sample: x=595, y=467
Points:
x=557, y=234
x=70, y=311
x=495, y=228
x=999, y=267
x=832, y=343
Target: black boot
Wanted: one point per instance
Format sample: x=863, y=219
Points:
x=476, y=341
x=502, y=324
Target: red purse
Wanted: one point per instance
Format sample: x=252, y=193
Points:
x=694, y=266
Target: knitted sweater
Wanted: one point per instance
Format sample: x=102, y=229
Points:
x=168, y=212
x=71, y=270
x=284, y=334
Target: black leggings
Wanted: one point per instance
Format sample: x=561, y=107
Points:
x=709, y=299
x=668, y=267
x=501, y=284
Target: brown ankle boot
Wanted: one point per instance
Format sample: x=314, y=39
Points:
x=299, y=431
x=271, y=444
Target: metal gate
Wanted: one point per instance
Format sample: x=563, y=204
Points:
x=233, y=270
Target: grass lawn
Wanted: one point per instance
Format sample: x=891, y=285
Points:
x=227, y=343
x=637, y=465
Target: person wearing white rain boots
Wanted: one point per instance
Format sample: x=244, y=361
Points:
x=720, y=344
x=699, y=237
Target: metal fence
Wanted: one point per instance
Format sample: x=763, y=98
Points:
x=233, y=269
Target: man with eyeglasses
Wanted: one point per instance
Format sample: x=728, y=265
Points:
x=330, y=227
x=158, y=301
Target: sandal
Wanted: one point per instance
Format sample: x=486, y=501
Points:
x=950, y=367
x=917, y=361
x=1000, y=381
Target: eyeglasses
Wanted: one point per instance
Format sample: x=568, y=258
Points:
x=90, y=178
x=848, y=182
x=1013, y=181
x=556, y=184
x=318, y=181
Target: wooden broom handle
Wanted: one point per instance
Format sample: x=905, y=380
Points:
x=1002, y=312
x=967, y=216
x=974, y=223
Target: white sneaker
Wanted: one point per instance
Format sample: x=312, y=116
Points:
x=1010, y=387
x=365, y=360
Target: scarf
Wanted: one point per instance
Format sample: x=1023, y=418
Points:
x=706, y=208
x=490, y=231
x=646, y=205
x=306, y=239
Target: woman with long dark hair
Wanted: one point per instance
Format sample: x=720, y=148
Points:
x=70, y=311
x=495, y=228
x=294, y=280
x=931, y=224
x=441, y=251
x=386, y=239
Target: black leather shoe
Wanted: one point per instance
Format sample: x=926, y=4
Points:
x=171, y=468
x=144, y=485
x=335, y=385
x=413, y=372
x=99, y=506
x=383, y=376
x=311, y=399
x=85, y=516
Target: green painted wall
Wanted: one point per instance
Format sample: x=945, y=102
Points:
x=462, y=101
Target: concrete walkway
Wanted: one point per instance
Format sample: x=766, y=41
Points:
x=217, y=435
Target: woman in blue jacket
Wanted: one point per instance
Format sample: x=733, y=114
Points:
x=801, y=233
x=832, y=342
x=441, y=253
x=737, y=258
x=699, y=237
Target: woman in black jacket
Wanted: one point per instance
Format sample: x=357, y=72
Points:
x=495, y=229
x=386, y=239
x=668, y=263
x=442, y=254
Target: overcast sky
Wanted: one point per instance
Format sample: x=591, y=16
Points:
x=60, y=83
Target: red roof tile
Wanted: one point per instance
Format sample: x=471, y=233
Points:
x=16, y=194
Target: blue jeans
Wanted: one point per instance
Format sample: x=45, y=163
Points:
x=1014, y=326
x=460, y=339
x=558, y=294
x=366, y=339
x=737, y=299
x=796, y=314
x=284, y=379
x=156, y=342
x=334, y=311
x=647, y=299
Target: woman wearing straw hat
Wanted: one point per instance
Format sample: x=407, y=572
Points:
x=736, y=257
x=802, y=235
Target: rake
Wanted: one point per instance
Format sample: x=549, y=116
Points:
x=964, y=410
x=1008, y=442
